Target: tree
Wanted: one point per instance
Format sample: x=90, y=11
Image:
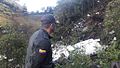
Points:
x=48, y=10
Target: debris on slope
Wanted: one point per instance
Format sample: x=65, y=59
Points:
x=87, y=47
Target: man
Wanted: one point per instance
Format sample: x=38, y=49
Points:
x=39, y=52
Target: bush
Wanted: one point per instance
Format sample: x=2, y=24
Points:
x=12, y=48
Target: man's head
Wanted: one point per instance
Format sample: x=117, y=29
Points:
x=48, y=23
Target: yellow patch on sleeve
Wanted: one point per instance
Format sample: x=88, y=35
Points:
x=42, y=51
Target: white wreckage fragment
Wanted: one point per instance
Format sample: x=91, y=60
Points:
x=89, y=46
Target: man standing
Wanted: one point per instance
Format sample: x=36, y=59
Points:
x=39, y=51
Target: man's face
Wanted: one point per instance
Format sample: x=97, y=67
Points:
x=52, y=28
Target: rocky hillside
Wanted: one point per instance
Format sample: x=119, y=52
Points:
x=11, y=12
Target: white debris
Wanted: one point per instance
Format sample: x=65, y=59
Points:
x=85, y=29
x=21, y=24
x=2, y=57
x=10, y=60
x=57, y=21
x=97, y=12
x=112, y=32
x=70, y=48
x=98, y=1
x=59, y=52
x=89, y=46
x=114, y=38
x=88, y=15
x=4, y=31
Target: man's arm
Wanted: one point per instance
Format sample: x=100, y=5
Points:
x=40, y=52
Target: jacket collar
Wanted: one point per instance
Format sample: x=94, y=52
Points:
x=46, y=33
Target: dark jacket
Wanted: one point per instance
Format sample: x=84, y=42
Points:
x=39, y=52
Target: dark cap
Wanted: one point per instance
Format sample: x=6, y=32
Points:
x=47, y=19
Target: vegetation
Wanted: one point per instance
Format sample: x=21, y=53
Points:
x=15, y=30
x=76, y=20
x=80, y=19
x=12, y=48
x=102, y=22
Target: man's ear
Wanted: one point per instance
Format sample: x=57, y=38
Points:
x=51, y=25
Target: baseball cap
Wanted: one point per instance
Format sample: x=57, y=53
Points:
x=47, y=19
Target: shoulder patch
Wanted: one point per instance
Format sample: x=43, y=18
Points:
x=42, y=51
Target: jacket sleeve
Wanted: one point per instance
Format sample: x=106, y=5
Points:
x=40, y=51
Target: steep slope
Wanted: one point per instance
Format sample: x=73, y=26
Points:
x=11, y=12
